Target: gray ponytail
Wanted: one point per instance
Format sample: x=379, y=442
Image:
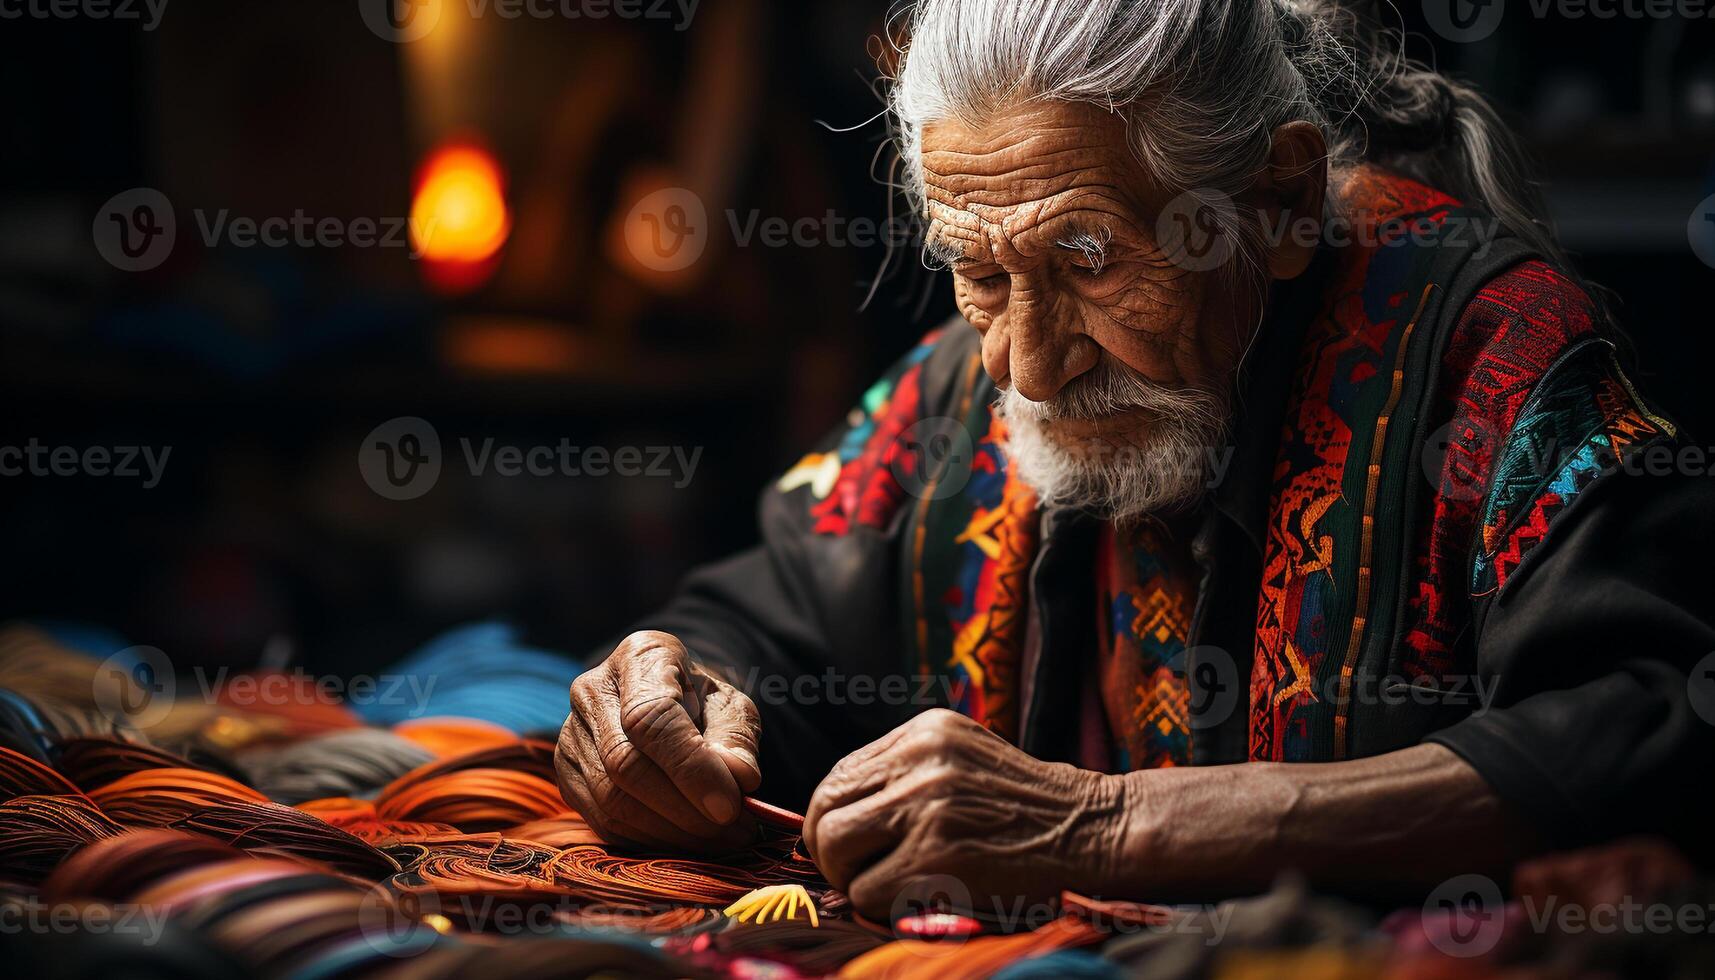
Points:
x=1205, y=83
x=1385, y=108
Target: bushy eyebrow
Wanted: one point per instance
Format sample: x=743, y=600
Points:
x=1089, y=240
x=939, y=253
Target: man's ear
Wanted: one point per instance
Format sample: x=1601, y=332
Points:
x=1289, y=193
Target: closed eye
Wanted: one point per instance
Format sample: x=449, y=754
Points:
x=982, y=275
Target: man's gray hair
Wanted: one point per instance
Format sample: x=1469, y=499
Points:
x=1204, y=84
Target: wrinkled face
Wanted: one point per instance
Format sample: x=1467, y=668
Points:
x=1115, y=365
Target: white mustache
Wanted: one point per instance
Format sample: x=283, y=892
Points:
x=1115, y=390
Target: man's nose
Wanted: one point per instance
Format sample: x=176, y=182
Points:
x=1045, y=348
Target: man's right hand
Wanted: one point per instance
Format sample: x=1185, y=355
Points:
x=659, y=752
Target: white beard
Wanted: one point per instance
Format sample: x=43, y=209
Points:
x=1186, y=430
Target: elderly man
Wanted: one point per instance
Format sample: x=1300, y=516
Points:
x=1277, y=506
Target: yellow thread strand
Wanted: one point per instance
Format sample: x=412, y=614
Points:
x=773, y=903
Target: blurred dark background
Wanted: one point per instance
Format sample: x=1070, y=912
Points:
x=263, y=368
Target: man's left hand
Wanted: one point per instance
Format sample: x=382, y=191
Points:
x=941, y=795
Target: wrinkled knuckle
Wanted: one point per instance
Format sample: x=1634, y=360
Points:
x=603, y=792
x=644, y=720
x=834, y=829
x=943, y=720
x=942, y=780
x=570, y=732
x=620, y=759
x=747, y=711
x=921, y=744
x=646, y=641
x=832, y=780
x=937, y=814
x=586, y=684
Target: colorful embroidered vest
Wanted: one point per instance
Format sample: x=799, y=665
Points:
x=1336, y=530
x=1338, y=539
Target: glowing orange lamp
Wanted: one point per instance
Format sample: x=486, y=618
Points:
x=459, y=217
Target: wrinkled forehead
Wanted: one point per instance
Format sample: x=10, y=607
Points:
x=1030, y=177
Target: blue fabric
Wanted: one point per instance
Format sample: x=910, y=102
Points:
x=1066, y=963
x=95, y=641
x=480, y=671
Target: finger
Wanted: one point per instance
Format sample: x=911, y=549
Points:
x=611, y=811
x=626, y=816
x=856, y=776
x=653, y=716
x=882, y=885
x=629, y=768
x=852, y=837
x=730, y=727
x=577, y=793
